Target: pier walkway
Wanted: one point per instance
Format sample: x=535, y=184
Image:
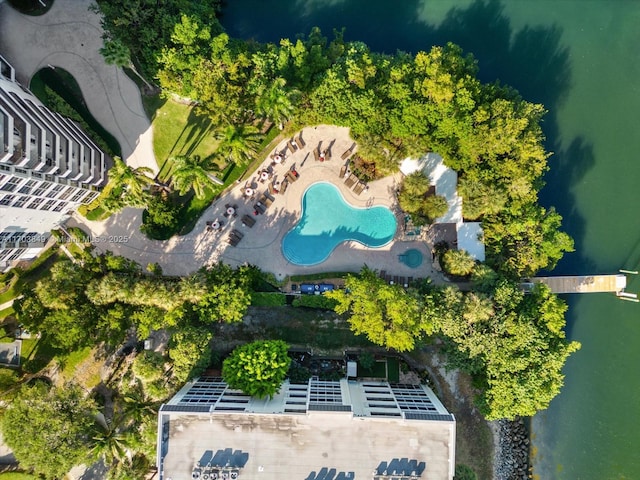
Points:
x=584, y=283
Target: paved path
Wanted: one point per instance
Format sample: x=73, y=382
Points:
x=69, y=36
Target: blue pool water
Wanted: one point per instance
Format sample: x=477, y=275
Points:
x=328, y=220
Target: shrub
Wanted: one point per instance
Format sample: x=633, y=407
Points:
x=315, y=301
x=268, y=299
x=257, y=368
x=464, y=473
x=458, y=263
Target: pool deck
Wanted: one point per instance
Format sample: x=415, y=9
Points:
x=261, y=245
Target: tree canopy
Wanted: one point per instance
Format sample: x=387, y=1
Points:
x=47, y=429
x=257, y=368
x=386, y=314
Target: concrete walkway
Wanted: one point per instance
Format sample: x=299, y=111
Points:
x=69, y=36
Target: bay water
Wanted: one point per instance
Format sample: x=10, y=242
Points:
x=581, y=59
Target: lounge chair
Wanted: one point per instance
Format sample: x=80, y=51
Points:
x=292, y=178
x=343, y=171
x=272, y=189
x=300, y=142
x=268, y=201
x=233, y=240
x=283, y=186
x=259, y=208
x=316, y=154
x=359, y=188
x=349, y=182
x=327, y=155
x=347, y=153
x=248, y=221
x=292, y=147
x=383, y=274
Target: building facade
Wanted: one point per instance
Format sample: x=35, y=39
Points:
x=320, y=430
x=48, y=167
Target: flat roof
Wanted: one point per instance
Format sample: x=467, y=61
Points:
x=280, y=446
x=350, y=427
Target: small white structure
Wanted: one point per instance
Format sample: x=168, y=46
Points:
x=445, y=181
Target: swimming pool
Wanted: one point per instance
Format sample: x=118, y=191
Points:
x=328, y=220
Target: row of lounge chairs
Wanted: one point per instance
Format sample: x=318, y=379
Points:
x=298, y=145
x=352, y=180
x=395, y=279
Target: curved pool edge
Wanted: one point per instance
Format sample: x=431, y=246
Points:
x=344, y=200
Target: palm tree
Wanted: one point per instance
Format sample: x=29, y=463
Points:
x=191, y=173
x=117, y=53
x=111, y=443
x=276, y=103
x=238, y=143
x=129, y=184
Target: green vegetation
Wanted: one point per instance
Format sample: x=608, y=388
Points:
x=458, y=263
x=268, y=299
x=315, y=301
x=257, y=368
x=419, y=200
x=59, y=91
x=46, y=428
x=386, y=314
x=464, y=472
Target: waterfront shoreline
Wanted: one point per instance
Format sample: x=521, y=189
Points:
x=510, y=450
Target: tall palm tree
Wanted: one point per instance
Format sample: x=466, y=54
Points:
x=238, y=143
x=130, y=185
x=276, y=103
x=191, y=173
x=111, y=443
x=117, y=53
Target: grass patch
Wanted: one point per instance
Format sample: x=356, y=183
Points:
x=29, y=276
x=94, y=211
x=4, y=313
x=264, y=299
x=184, y=132
x=70, y=362
x=393, y=370
x=378, y=370
x=37, y=354
x=17, y=476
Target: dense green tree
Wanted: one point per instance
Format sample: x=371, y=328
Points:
x=458, y=262
x=418, y=199
x=190, y=352
x=513, y=343
x=129, y=186
x=47, y=429
x=275, y=102
x=148, y=366
x=191, y=173
x=257, y=368
x=386, y=314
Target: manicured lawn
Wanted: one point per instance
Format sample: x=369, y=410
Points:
x=17, y=476
x=268, y=299
x=178, y=130
x=30, y=276
x=6, y=312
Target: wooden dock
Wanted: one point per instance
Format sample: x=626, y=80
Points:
x=584, y=284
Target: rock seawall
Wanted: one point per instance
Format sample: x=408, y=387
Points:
x=511, y=450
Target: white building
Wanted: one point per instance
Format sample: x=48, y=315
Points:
x=468, y=234
x=320, y=430
x=48, y=167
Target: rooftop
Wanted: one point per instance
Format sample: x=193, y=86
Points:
x=342, y=429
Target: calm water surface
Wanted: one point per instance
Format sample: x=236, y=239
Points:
x=582, y=60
